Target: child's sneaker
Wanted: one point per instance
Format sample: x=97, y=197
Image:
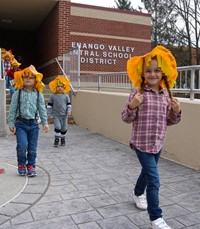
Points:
x=56, y=142
x=22, y=169
x=62, y=141
x=159, y=224
x=140, y=201
x=31, y=171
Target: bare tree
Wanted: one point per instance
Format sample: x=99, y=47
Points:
x=164, y=20
x=123, y=4
x=176, y=24
x=188, y=10
x=196, y=18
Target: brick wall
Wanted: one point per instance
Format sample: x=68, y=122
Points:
x=113, y=30
x=70, y=23
x=105, y=27
x=120, y=34
x=53, y=36
x=117, y=66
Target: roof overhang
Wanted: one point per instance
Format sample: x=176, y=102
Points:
x=24, y=14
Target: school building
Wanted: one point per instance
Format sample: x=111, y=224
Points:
x=39, y=31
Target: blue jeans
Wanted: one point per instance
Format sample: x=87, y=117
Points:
x=7, y=80
x=149, y=180
x=12, y=90
x=27, y=139
x=9, y=86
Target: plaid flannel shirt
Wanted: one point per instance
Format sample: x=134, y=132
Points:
x=150, y=120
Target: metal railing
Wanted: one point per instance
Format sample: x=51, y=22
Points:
x=188, y=80
x=187, y=84
x=71, y=64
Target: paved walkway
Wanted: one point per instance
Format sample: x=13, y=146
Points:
x=87, y=185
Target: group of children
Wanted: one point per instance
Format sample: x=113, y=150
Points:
x=150, y=109
x=27, y=105
x=10, y=65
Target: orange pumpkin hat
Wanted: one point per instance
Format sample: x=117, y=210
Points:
x=14, y=62
x=60, y=80
x=166, y=62
x=3, y=51
x=29, y=71
x=9, y=54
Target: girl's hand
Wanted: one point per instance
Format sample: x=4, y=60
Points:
x=46, y=128
x=12, y=129
x=136, y=101
x=69, y=114
x=175, y=105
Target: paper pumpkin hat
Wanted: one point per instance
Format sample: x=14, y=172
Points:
x=166, y=62
x=9, y=54
x=14, y=62
x=29, y=71
x=60, y=80
x=3, y=51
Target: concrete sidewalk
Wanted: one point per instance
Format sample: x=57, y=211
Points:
x=87, y=185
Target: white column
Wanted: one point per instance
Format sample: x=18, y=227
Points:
x=3, y=128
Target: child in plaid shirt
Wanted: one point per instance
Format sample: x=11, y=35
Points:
x=150, y=109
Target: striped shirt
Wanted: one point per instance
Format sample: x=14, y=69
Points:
x=150, y=120
x=28, y=106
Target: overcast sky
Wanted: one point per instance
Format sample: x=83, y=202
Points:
x=107, y=3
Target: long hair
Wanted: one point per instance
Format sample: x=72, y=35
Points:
x=142, y=85
x=167, y=86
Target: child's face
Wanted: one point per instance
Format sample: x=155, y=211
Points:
x=153, y=74
x=29, y=81
x=60, y=89
x=7, y=58
x=15, y=67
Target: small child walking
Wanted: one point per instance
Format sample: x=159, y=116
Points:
x=150, y=109
x=10, y=76
x=26, y=104
x=7, y=58
x=59, y=106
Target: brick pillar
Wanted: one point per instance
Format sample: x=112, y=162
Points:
x=64, y=26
